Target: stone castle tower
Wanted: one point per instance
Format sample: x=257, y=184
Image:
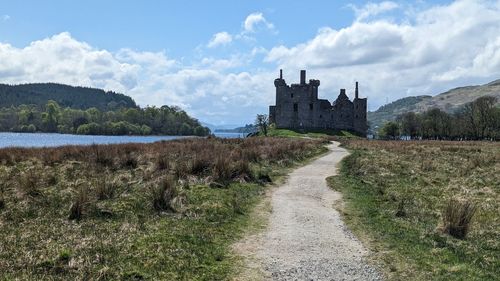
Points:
x=298, y=107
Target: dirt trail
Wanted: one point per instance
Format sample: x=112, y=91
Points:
x=306, y=238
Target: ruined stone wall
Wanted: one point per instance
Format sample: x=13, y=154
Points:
x=360, y=123
x=297, y=106
x=343, y=110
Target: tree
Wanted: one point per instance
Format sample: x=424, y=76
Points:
x=435, y=124
x=93, y=115
x=200, y=131
x=485, y=114
x=262, y=121
x=480, y=117
x=409, y=124
x=89, y=129
x=145, y=121
x=390, y=130
x=51, y=116
x=185, y=130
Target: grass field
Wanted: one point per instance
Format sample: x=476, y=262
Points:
x=162, y=211
x=396, y=194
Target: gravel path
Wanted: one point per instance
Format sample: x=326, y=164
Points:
x=306, y=238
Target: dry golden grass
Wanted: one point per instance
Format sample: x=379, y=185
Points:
x=407, y=197
x=161, y=211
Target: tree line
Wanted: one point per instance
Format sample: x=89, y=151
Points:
x=477, y=120
x=52, y=118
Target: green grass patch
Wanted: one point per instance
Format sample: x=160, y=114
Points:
x=395, y=194
x=319, y=133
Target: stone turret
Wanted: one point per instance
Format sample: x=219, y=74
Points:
x=279, y=82
x=360, y=123
x=302, y=77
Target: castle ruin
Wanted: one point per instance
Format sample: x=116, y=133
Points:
x=298, y=107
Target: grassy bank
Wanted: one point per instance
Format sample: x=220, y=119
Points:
x=396, y=194
x=273, y=132
x=163, y=211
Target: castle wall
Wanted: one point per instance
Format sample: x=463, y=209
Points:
x=359, y=123
x=298, y=107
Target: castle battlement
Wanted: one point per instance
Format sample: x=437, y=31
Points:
x=298, y=107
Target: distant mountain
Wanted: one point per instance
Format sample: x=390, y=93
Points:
x=390, y=111
x=249, y=128
x=214, y=128
x=448, y=101
x=64, y=95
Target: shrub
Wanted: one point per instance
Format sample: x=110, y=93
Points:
x=163, y=194
x=29, y=183
x=182, y=168
x=80, y=201
x=2, y=188
x=100, y=155
x=162, y=163
x=241, y=169
x=251, y=154
x=222, y=169
x=199, y=165
x=105, y=189
x=64, y=256
x=51, y=178
x=401, y=210
x=457, y=216
x=89, y=129
x=129, y=161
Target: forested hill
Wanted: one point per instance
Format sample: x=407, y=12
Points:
x=390, y=111
x=449, y=102
x=57, y=108
x=66, y=96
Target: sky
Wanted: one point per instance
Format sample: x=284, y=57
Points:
x=218, y=59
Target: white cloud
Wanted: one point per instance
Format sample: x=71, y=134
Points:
x=373, y=9
x=253, y=23
x=5, y=17
x=63, y=59
x=254, y=20
x=205, y=89
x=221, y=64
x=434, y=50
x=440, y=48
x=221, y=38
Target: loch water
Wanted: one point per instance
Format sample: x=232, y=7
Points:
x=51, y=140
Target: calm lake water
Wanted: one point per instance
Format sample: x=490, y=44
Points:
x=45, y=140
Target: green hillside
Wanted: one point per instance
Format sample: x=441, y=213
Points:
x=448, y=101
x=66, y=96
x=57, y=108
x=389, y=111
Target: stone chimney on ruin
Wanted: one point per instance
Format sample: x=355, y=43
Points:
x=356, y=91
x=281, y=73
x=302, y=77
